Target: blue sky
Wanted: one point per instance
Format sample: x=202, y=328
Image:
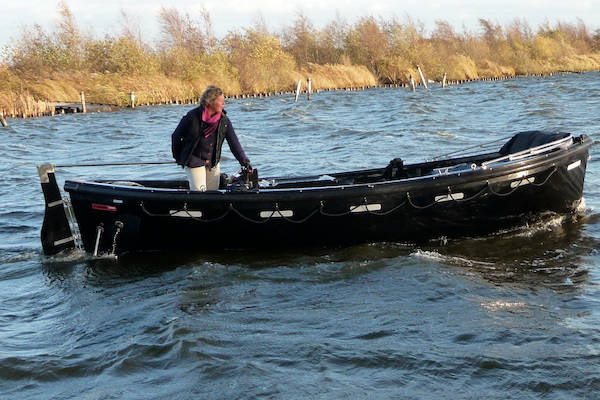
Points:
x=103, y=16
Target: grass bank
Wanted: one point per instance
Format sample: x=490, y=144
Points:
x=42, y=67
x=24, y=95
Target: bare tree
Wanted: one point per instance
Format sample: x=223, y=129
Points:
x=130, y=27
x=180, y=32
x=492, y=33
x=443, y=31
x=301, y=40
x=518, y=30
x=69, y=40
x=596, y=41
x=67, y=30
x=208, y=31
x=367, y=43
x=259, y=24
x=332, y=39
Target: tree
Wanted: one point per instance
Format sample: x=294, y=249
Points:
x=443, y=32
x=300, y=40
x=519, y=31
x=181, y=32
x=69, y=41
x=259, y=60
x=366, y=43
x=596, y=41
x=130, y=27
x=331, y=41
x=492, y=33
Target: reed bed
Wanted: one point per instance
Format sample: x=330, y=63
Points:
x=42, y=68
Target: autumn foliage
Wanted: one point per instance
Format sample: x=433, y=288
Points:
x=57, y=65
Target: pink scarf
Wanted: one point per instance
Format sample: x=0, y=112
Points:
x=211, y=122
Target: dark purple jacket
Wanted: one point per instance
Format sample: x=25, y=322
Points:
x=191, y=149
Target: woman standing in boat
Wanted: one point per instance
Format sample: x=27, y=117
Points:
x=197, y=141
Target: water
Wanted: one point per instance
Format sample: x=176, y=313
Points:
x=512, y=315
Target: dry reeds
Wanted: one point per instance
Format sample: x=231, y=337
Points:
x=56, y=66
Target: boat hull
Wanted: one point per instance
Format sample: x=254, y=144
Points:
x=407, y=210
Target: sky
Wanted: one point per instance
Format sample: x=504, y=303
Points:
x=100, y=17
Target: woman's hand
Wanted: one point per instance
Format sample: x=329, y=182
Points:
x=246, y=164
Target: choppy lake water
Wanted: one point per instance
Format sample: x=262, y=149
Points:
x=512, y=315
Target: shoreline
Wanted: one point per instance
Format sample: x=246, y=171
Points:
x=31, y=108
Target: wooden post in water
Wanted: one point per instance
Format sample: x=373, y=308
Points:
x=83, y=108
x=422, y=77
x=412, y=83
x=309, y=88
x=298, y=90
x=2, y=119
x=444, y=80
x=132, y=98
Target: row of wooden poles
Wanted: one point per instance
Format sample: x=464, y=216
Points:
x=46, y=108
x=412, y=85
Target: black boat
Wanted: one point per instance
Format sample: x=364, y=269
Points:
x=465, y=195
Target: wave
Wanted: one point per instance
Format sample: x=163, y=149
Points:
x=454, y=260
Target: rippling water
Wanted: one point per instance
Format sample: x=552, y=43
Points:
x=512, y=315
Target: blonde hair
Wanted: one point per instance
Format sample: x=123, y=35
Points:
x=210, y=94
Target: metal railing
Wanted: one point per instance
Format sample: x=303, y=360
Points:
x=544, y=148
